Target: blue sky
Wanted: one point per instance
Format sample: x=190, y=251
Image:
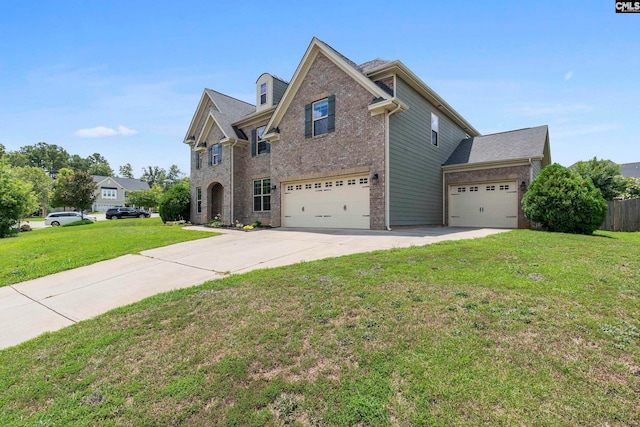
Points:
x=123, y=78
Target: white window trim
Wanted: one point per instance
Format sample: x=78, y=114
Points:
x=106, y=194
x=435, y=128
x=263, y=85
x=261, y=195
x=313, y=119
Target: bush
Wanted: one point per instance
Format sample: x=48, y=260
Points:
x=25, y=227
x=175, y=204
x=561, y=200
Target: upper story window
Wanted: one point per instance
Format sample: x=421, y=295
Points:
x=199, y=199
x=214, y=154
x=259, y=145
x=197, y=160
x=263, y=93
x=320, y=117
x=109, y=193
x=434, y=130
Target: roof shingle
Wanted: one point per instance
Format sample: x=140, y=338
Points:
x=516, y=144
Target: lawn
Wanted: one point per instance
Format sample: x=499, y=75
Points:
x=521, y=328
x=51, y=250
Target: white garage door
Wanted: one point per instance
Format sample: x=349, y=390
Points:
x=484, y=205
x=339, y=202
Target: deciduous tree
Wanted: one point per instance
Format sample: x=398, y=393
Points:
x=16, y=200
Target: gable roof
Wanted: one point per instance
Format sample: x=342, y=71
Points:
x=129, y=184
x=528, y=143
x=225, y=111
x=630, y=170
x=345, y=64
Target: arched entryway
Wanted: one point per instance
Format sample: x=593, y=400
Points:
x=215, y=194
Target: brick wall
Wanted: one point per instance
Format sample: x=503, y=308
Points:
x=511, y=173
x=358, y=140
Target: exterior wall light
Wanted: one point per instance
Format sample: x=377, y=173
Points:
x=375, y=177
x=523, y=186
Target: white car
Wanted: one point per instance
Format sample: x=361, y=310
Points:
x=61, y=218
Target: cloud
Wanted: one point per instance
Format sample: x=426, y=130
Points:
x=101, y=131
x=548, y=110
x=568, y=75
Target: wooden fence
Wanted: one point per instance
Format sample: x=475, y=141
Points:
x=623, y=215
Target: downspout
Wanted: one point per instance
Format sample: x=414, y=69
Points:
x=530, y=171
x=387, y=208
x=231, y=181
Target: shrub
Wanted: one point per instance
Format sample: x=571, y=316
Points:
x=561, y=200
x=25, y=227
x=175, y=204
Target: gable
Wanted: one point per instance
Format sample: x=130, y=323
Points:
x=315, y=49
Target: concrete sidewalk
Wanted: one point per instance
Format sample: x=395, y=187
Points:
x=31, y=308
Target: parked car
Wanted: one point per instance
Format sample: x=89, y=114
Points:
x=55, y=219
x=122, y=212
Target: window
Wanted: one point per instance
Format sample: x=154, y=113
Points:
x=339, y=183
x=351, y=182
x=307, y=186
x=289, y=187
x=434, y=129
x=490, y=188
x=364, y=180
x=217, y=154
x=262, y=195
x=473, y=188
x=319, y=117
x=504, y=187
x=109, y=193
x=317, y=185
x=462, y=189
x=299, y=187
x=328, y=184
x=263, y=93
x=199, y=199
x=197, y=160
x=259, y=145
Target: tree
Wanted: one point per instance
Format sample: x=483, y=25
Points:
x=78, y=163
x=3, y=150
x=175, y=204
x=561, y=200
x=49, y=157
x=147, y=198
x=76, y=189
x=632, y=188
x=41, y=184
x=604, y=174
x=98, y=165
x=153, y=174
x=126, y=171
x=16, y=200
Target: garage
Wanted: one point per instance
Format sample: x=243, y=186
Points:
x=493, y=205
x=338, y=202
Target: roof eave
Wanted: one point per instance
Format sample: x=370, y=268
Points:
x=487, y=165
x=254, y=117
x=414, y=81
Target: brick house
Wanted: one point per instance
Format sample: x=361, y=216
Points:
x=354, y=146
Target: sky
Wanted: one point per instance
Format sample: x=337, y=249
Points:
x=123, y=78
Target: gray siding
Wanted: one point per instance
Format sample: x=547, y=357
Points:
x=536, y=168
x=415, y=180
x=278, y=90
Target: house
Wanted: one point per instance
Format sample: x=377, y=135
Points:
x=112, y=191
x=343, y=145
x=630, y=170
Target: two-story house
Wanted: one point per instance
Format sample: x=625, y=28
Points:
x=366, y=146
x=112, y=191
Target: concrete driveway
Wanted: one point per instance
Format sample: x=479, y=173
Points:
x=31, y=308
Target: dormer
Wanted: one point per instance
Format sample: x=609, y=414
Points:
x=269, y=91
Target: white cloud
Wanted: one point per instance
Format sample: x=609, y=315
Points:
x=101, y=131
x=568, y=75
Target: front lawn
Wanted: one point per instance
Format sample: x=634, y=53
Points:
x=521, y=328
x=51, y=250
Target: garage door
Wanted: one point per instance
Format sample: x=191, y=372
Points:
x=339, y=202
x=484, y=205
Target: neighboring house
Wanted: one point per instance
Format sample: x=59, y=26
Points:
x=112, y=191
x=630, y=170
x=352, y=146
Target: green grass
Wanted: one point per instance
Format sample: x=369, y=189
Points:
x=521, y=328
x=51, y=250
